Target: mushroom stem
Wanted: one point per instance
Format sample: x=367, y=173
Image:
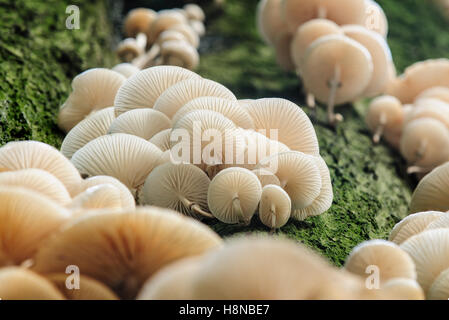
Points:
x=273, y=217
x=321, y=12
x=419, y=155
x=141, y=39
x=310, y=100
x=147, y=59
x=334, y=84
x=238, y=209
x=380, y=129
x=195, y=208
x=418, y=169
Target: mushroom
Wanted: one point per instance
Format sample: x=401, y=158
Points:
x=162, y=139
x=143, y=89
x=229, y=108
x=93, y=89
x=129, y=49
x=164, y=21
x=432, y=192
x=336, y=70
x=425, y=144
x=126, y=69
x=89, y=289
x=26, y=219
x=123, y=249
x=233, y=195
x=403, y=289
x=180, y=187
x=194, y=12
x=380, y=54
x=142, y=122
x=22, y=284
x=179, y=53
x=441, y=93
x=429, y=108
x=429, y=251
x=385, y=114
x=266, y=177
x=270, y=22
x=293, y=127
x=412, y=225
x=92, y=127
x=189, y=34
x=170, y=35
x=175, y=97
x=440, y=222
x=138, y=21
x=98, y=197
x=198, y=27
x=440, y=287
x=297, y=12
x=299, y=175
x=388, y=257
x=39, y=181
x=376, y=19
x=19, y=155
x=275, y=207
x=128, y=158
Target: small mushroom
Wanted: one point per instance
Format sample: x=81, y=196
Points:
x=22, y=284
x=270, y=22
x=198, y=27
x=275, y=207
x=412, y=225
x=97, y=197
x=162, y=139
x=93, y=90
x=92, y=127
x=143, y=89
x=233, y=195
x=139, y=20
x=128, y=246
x=388, y=257
x=385, y=115
x=170, y=35
x=128, y=158
x=126, y=69
x=376, y=20
x=19, y=155
x=429, y=108
x=180, y=187
x=194, y=12
x=179, y=53
x=142, y=122
x=403, y=289
x=175, y=97
x=441, y=93
x=266, y=177
x=129, y=49
x=164, y=21
x=440, y=287
x=189, y=34
x=432, y=192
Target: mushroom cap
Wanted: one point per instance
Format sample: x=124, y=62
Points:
x=128, y=158
x=441, y=93
x=227, y=186
x=18, y=283
x=189, y=34
x=380, y=54
x=173, y=282
x=198, y=27
x=139, y=20
x=164, y=21
x=404, y=289
x=266, y=177
x=93, y=89
x=39, y=181
x=412, y=225
x=432, y=192
x=175, y=97
x=229, y=108
x=126, y=69
x=440, y=222
x=376, y=19
x=276, y=203
x=269, y=20
x=390, y=108
x=170, y=185
x=299, y=175
x=430, y=252
x=180, y=53
x=329, y=53
x=297, y=12
x=162, y=140
x=194, y=12
x=391, y=260
x=126, y=198
x=429, y=108
x=19, y=155
x=293, y=126
x=143, y=89
x=282, y=44
x=128, y=49
x=92, y=127
x=419, y=77
x=170, y=35
x=89, y=289
x=123, y=249
x=440, y=287
x=98, y=197
x=143, y=123
x=26, y=219
x=430, y=132
x=307, y=33
x=324, y=201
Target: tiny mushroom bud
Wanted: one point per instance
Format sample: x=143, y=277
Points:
x=179, y=53
x=129, y=49
x=385, y=114
x=194, y=12
x=275, y=207
x=126, y=69
x=440, y=287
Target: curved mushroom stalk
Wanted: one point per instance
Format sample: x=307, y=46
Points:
x=149, y=58
x=275, y=207
x=236, y=206
x=380, y=128
x=334, y=84
x=195, y=208
x=420, y=153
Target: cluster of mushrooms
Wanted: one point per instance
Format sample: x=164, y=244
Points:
x=337, y=47
x=413, y=117
x=129, y=129
x=167, y=37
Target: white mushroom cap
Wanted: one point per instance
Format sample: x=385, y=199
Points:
x=93, y=126
x=380, y=54
x=198, y=27
x=171, y=35
x=275, y=206
x=385, y=115
x=175, y=97
x=229, y=108
x=162, y=140
x=441, y=222
x=164, y=20
x=233, y=195
x=194, y=12
x=129, y=49
x=441, y=93
x=98, y=197
x=189, y=34
x=331, y=57
x=429, y=108
x=126, y=69
x=404, y=289
x=269, y=20
x=388, y=257
x=440, y=287
x=430, y=252
x=180, y=53
x=93, y=89
x=143, y=89
x=297, y=12
x=266, y=177
x=143, y=123
x=376, y=19
x=139, y=20
x=412, y=225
